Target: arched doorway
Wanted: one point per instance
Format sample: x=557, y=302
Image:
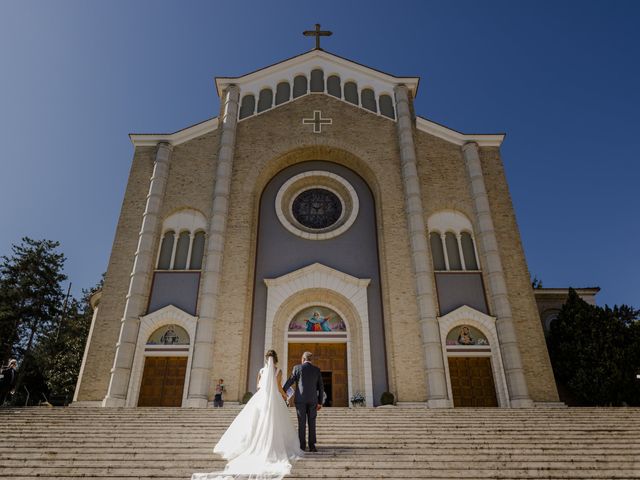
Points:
x=470, y=370
x=166, y=356
x=323, y=332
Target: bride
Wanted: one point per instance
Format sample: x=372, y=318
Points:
x=261, y=442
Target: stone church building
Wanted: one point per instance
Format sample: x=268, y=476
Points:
x=318, y=211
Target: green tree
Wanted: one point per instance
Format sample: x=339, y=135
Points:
x=593, y=351
x=61, y=352
x=30, y=295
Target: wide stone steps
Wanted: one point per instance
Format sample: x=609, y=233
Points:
x=407, y=443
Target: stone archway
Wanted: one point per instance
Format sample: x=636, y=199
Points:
x=318, y=284
x=484, y=323
x=149, y=324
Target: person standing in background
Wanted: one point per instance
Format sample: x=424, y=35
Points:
x=8, y=379
x=218, y=402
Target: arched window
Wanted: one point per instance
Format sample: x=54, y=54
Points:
x=248, y=106
x=437, y=251
x=283, y=92
x=197, y=251
x=468, y=251
x=186, y=251
x=386, y=106
x=369, y=100
x=457, y=245
x=166, y=249
x=182, y=251
x=453, y=254
x=265, y=100
x=299, y=86
x=333, y=86
x=351, y=93
x=317, y=80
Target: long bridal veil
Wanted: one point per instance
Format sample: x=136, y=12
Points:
x=261, y=442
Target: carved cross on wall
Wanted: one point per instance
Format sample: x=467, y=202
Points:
x=317, y=121
x=317, y=33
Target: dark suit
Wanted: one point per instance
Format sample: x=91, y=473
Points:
x=308, y=393
x=7, y=383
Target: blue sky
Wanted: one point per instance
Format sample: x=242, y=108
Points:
x=561, y=78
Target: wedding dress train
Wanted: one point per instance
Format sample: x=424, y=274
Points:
x=261, y=442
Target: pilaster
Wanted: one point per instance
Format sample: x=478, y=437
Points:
x=436, y=380
x=211, y=275
x=516, y=383
x=139, y=282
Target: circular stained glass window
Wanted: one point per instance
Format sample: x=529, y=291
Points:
x=317, y=208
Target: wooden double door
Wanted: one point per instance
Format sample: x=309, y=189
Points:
x=162, y=382
x=331, y=358
x=472, y=382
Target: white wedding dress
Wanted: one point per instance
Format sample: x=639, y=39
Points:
x=261, y=443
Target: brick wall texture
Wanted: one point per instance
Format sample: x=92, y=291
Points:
x=364, y=142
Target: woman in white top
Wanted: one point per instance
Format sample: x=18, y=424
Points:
x=261, y=441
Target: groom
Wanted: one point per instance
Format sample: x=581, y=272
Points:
x=309, y=393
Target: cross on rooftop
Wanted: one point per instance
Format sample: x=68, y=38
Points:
x=317, y=33
x=317, y=121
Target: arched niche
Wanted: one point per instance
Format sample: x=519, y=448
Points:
x=452, y=326
x=319, y=285
x=157, y=323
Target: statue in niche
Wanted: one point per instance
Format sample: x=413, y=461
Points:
x=464, y=337
x=170, y=337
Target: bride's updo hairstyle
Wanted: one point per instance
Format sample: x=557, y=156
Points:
x=271, y=353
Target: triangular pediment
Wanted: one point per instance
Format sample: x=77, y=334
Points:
x=168, y=312
x=329, y=63
x=317, y=275
x=366, y=78
x=465, y=312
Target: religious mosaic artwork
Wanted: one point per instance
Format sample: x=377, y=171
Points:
x=466, y=335
x=169, y=335
x=317, y=208
x=317, y=319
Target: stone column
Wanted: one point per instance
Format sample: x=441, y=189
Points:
x=436, y=380
x=210, y=282
x=139, y=282
x=518, y=392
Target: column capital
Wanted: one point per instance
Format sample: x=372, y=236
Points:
x=402, y=93
x=470, y=145
x=232, y=89
x=165, y=145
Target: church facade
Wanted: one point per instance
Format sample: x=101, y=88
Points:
x=317, y=212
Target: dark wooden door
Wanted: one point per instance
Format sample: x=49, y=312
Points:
x=162, y=382
x=472, y=382
x=331, y=359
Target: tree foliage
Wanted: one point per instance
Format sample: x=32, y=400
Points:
x=46, y=334
x=595, y=352
x=62, y=353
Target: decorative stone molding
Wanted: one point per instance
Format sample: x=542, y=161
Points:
x=347, y=295
x=317, y=179
x=466, y=315
x=186, y=219
x=457, y=138
x=169, y=315
x=449, y=221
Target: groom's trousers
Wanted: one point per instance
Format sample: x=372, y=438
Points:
x=307, y=412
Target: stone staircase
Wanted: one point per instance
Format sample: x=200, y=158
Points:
x=362, y=443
